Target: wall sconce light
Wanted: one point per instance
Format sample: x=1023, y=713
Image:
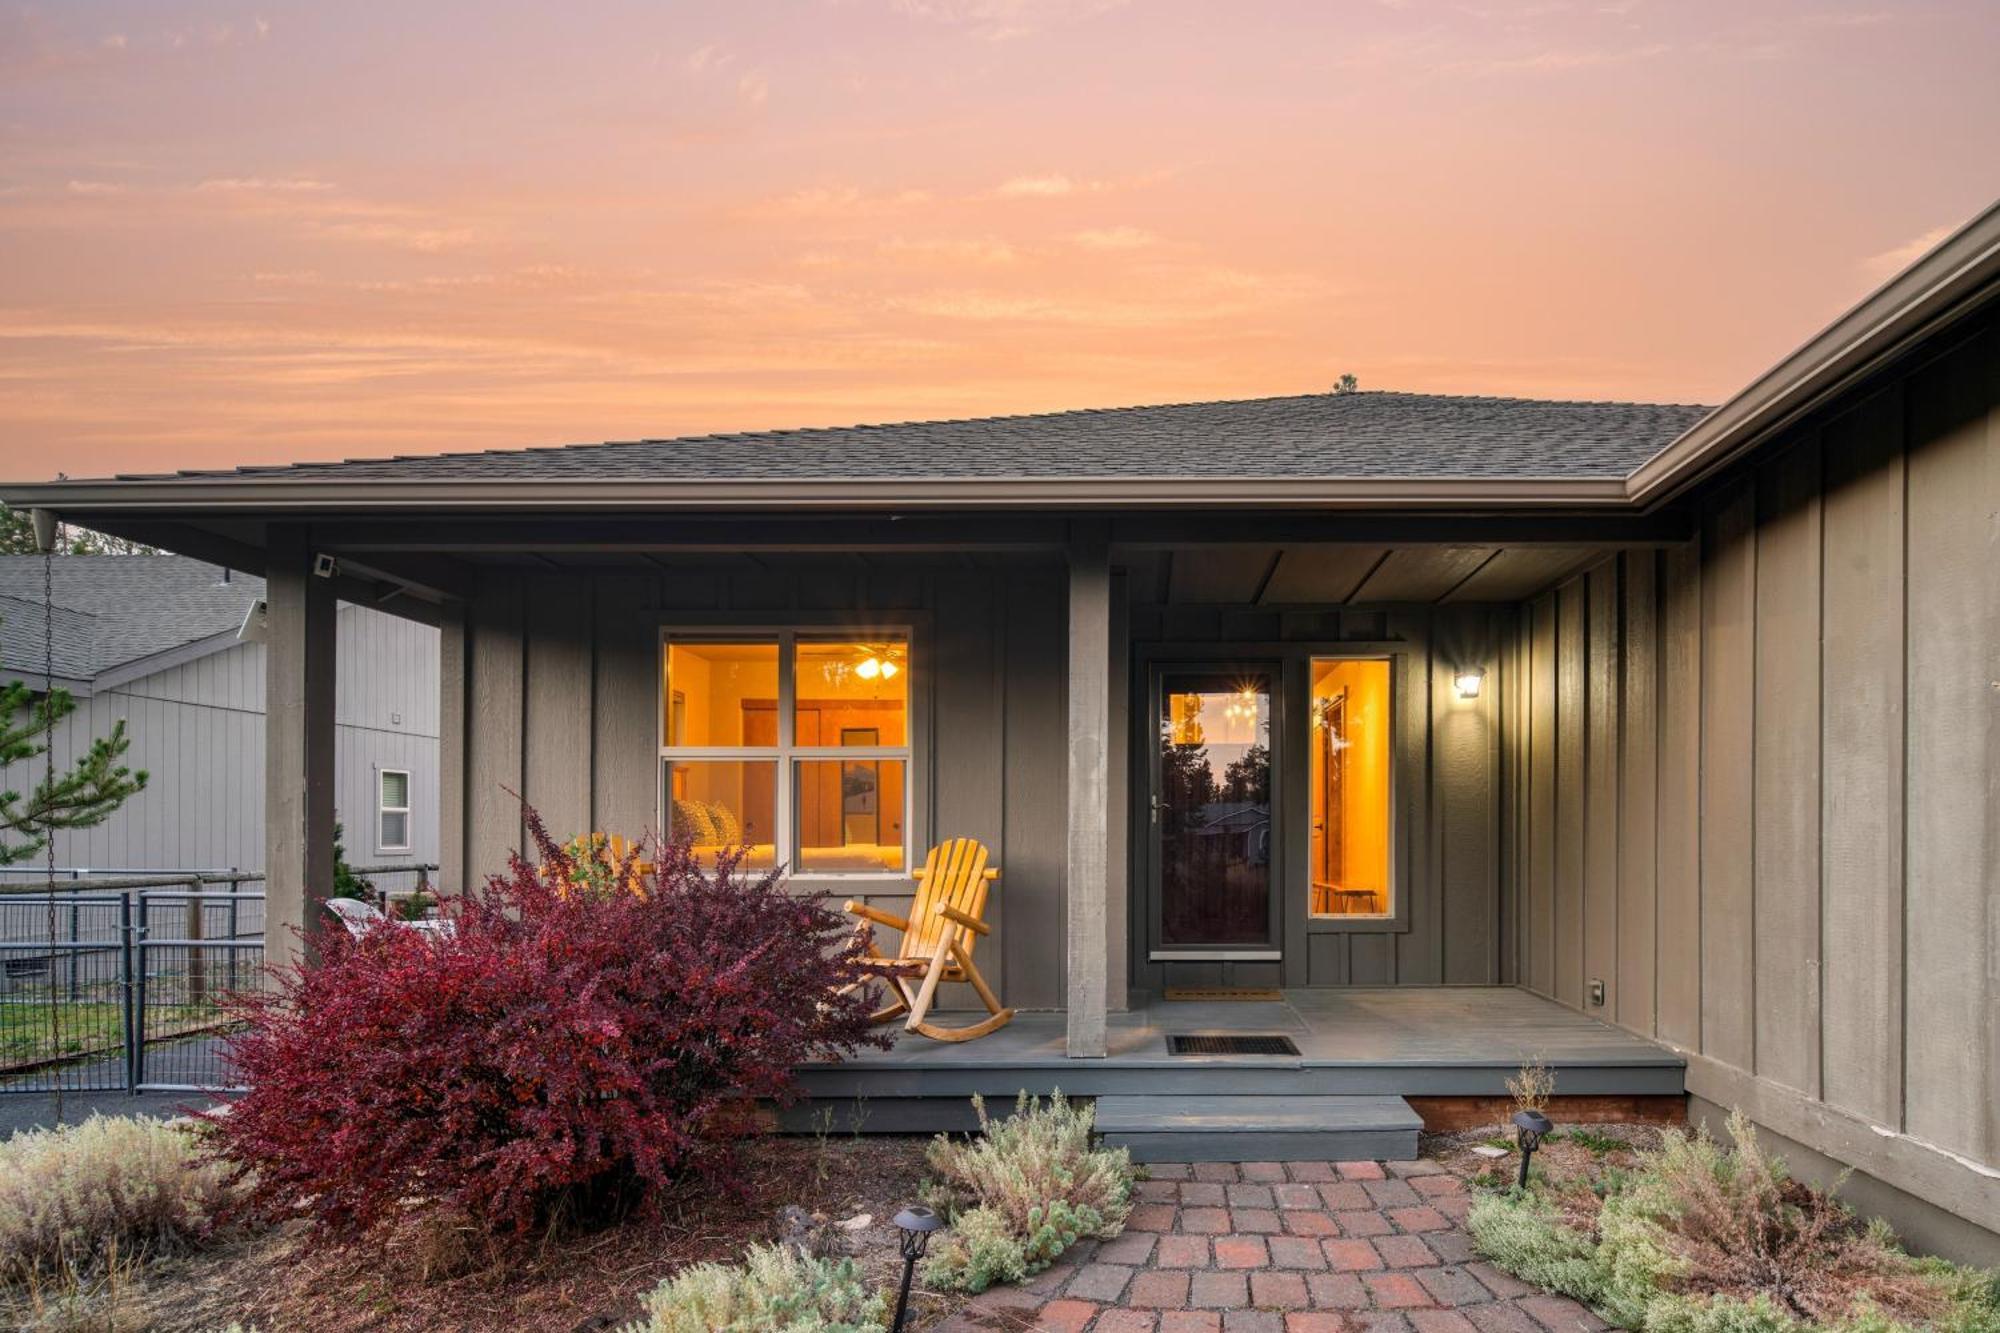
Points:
x=1469, y=680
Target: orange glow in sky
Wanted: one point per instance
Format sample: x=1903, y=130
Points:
x=235, y=233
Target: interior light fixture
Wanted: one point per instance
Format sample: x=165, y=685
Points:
x=1469, y=681
x=869, y=668
x=889, y=669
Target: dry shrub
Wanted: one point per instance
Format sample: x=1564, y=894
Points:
x=1533, y=1085
x=1696, y=1239
x=1742, y=1227
x=76, y=1200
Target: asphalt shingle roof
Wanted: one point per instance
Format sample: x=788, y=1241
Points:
x=113, y=609
x=1356, y=435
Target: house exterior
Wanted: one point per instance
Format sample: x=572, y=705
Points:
x=154, y=641
x=1681, y=719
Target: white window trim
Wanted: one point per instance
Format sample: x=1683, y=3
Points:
x=383, y=808
x=786, y=754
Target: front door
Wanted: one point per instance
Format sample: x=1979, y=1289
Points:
x=1214, y=894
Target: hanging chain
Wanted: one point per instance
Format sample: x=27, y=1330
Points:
x=49, y=785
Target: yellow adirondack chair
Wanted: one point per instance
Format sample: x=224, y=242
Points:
x=945, y=922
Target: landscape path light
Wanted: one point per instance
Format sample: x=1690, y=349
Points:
x=916, y=1223
x=1529, y=1128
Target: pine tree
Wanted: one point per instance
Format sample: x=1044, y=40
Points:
x=83, y=796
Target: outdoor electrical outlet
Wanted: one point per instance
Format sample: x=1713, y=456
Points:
x=1596, y=993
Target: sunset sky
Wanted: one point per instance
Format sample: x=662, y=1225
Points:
x=235, y=233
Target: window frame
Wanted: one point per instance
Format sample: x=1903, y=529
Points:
x=382, y=807
x=787, y=754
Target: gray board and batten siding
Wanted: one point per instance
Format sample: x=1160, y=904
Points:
x=1445, y=769
x=553, y=682
x=560, y=695
x=1755, y=784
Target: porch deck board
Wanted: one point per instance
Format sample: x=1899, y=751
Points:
x=1437, y=1041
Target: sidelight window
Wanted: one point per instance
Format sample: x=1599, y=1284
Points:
x=1350, y=849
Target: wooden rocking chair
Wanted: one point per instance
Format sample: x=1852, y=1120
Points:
x=945, y=922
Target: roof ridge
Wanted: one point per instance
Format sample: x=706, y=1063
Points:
x=776, y=435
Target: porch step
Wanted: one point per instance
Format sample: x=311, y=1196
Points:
x=1249, y=1128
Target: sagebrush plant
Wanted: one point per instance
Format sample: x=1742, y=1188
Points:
x=1022, y=1191
x=557, y=1054
x=1698, y=1239
x=773, y=1290
x=114, y=1188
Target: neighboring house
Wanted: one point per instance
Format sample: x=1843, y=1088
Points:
x=154, y=640
x=1683, y=719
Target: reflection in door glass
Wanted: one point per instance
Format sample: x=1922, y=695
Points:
x=1214, y=809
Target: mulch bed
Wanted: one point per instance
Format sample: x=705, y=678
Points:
x=1573, y=1152
x=288, y=1280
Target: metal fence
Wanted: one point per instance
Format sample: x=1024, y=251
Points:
x=118, y=983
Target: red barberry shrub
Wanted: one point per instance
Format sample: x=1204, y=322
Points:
x=579, y=1040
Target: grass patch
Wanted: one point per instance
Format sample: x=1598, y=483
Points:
x=86, y=1026
x=1590, y=1140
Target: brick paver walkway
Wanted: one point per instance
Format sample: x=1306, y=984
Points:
x=1297, y=1247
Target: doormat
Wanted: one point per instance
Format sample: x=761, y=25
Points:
x=1223, y=993
x=1230, y=1043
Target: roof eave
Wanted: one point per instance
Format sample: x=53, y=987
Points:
x=1947, y=284
x=851, y=494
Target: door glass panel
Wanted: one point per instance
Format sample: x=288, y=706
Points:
x=1213, y=812
x=723, y=694
x=1350, y=810
x=724, y=803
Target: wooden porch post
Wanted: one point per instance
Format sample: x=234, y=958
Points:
x=1089, y=787
x=298, y=743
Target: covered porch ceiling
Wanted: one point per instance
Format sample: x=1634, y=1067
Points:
x=1299, y=574
x=408, y=566
x=1326, y=575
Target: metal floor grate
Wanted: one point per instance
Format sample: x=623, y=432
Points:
x=1230, y=1043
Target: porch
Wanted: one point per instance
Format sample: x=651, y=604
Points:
x=1419, y=1043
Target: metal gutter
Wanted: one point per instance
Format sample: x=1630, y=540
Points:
x=163, y=659
x=559, y=495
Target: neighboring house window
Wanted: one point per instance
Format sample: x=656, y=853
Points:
x=793, y=744
x=393, y=822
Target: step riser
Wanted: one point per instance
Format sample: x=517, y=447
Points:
x=1361, y=1145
